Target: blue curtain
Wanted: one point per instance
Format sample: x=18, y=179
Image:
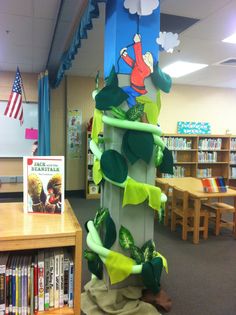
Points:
x=91, y=12
x=44, y=114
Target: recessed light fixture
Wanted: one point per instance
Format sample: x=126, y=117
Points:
x=231, y=39
x=181, y=68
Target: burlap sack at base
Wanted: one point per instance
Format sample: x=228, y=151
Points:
x=98, y=300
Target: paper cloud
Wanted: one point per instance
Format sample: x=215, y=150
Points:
x=168, y=41
x=141, y=7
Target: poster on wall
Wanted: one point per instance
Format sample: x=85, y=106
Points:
x=74, y=134
x=191, y=127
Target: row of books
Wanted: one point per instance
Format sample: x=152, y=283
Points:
x=36, y=281
x=233, y=158
x=179, y=171
x=175, y=143
x=210, y=144
x=204, y=172
x=216, y=184
x=209, y=157
x=233, y=144
x=233, y=172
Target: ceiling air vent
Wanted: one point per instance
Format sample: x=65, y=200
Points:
x=227, y=62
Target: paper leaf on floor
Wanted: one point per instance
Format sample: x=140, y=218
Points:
x=168, y=41
x=141, y=7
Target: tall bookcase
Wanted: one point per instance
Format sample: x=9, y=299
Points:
x=92, y=191
x=203, y=155
x=21, y=231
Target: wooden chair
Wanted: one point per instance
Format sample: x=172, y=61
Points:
x=217, y=210
x=165, y=189
x=182, y=214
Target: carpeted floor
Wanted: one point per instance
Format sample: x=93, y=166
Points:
x=201, y=279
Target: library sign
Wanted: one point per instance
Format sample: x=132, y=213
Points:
x=190, y=127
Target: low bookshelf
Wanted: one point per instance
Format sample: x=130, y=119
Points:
x=24, y=231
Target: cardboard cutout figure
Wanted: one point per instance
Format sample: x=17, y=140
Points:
x=142, y=68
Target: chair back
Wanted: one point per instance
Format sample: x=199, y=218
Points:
x=180, y=199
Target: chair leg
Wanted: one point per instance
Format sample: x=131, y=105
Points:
x=218, y=218
x=185, y=229
x=205, y=224
x=173, y=221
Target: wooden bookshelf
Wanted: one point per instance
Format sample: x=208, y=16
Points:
x=203, y=155
x=23, y=231
x=89, y=171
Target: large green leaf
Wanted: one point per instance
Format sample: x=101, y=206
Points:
x=136, y=254
x=132, y=158
x=96, y=267
x=114, y=166
x=100, y=216
x=151, y=274
x=167, y=162
x=126, y=239
x=160, y=79
x=110, y=236
x=148, y=249
x=89, y=255
x=141, y=144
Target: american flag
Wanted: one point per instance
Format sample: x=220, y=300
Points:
x=14, y=107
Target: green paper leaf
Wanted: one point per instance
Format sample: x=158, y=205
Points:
x=114, y=166
x=167, y=162
x=96, y=267
x=126, y=239
x=135, y=112
x=100, y=216
x=89, y=255
x=141, y=144
x=148, y=249
x=111, y=95
x=132, y=158
x=110, y=236
x=136, y=254
x=160, y=79
x=151, y=274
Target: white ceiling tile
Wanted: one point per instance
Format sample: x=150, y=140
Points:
x=192, y=8
x=42, y=32
x=5, y=66
x=16, y=54
x=17, y=7
x=39, y=67
x=40, y=55
x=47, y=9
x=19, y=27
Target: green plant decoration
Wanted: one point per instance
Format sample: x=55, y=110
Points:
x=136, y=254
x=135, y=112
x=95, y=266
x=100, y=216
x=126, y=239
x=148, y=249
x=89, y=255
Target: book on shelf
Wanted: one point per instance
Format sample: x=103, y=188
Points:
x=19, y=293
x=44, y=184
x=214, y=184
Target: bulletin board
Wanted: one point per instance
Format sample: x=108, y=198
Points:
x=13, y=142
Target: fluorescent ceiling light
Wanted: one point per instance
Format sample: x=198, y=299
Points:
x=231, y=39
x=181, y=68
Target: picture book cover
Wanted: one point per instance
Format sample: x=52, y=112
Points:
x=43, y=184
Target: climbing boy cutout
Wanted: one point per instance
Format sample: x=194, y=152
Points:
x=142, y=67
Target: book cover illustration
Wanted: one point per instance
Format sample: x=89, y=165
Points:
x=44, y=184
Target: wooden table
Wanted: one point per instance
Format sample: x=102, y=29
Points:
x=195, y=189
x=19, y=230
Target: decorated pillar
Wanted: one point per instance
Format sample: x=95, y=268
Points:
x=121, y=250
